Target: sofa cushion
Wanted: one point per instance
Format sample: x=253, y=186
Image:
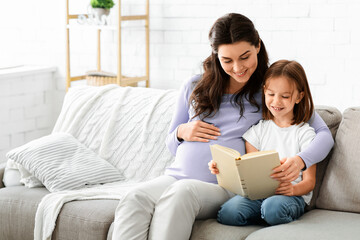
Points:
x=61, y=162
x=340, y=189
x=212, y=230
x=332, y=117
x=17, y=210
x=87, y=219
x=316, y=224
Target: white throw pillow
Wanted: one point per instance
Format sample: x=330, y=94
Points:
x=61, y=162
x=16, y=175
x=11, y=177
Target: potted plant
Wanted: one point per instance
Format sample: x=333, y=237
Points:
x=101, y=7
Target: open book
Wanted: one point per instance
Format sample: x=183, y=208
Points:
x=247, y=175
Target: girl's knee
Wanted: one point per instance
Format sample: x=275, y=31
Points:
x=272, y=204
x=237, y=211
x=273, y=213
x=279, y=210
x=229, y=215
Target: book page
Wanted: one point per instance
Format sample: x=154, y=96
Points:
x=255, y=154
x=228, y=176
x=255, y=173
x=230, y=151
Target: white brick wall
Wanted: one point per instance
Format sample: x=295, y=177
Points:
x=323, y=35
x=26, y=113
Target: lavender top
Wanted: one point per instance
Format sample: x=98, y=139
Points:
x=191, y=161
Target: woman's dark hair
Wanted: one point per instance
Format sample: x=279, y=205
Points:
x=207, y=94
x=295, y=73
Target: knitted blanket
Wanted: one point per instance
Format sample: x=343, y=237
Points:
x=126, y=126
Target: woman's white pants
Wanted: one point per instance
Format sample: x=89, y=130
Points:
x=165, y=208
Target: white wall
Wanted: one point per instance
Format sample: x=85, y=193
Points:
x=26, y=105
x=323, y=35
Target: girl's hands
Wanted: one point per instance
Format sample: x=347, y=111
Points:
x=285, y=188
x=289, y=169
x=212, y=167
x=197, y=131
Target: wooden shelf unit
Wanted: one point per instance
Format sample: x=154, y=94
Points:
x=120, y=79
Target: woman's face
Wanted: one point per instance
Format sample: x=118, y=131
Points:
x=239, y=61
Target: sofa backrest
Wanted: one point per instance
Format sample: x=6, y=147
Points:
x=128, y=127
x=332, y=117
x=124, y=125
x=340, y=188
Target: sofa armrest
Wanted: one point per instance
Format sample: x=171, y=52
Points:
x=332, y=117
x=2, y=170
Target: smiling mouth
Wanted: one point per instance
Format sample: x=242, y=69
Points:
x=241, y=74
x=277, y=108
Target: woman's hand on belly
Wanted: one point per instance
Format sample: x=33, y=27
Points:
x=197, y=131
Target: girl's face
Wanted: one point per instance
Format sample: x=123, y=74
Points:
x=239, y=61
x=281, y=95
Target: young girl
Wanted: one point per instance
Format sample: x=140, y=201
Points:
x=289, y=106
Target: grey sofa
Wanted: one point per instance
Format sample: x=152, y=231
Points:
x=333, y=213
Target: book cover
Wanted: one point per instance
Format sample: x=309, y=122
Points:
x=247, y=175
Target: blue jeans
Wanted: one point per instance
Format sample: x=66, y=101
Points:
x=276, y=209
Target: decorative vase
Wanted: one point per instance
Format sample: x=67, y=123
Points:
x=99, y=12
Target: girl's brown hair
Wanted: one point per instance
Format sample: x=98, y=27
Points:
x=294, y=72
x=207, y=94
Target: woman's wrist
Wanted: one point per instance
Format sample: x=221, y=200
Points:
x=178, y=132
x=300, y=163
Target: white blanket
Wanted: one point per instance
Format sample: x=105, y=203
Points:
x=125, y=126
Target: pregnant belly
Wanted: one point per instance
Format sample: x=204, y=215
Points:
x=192, y=159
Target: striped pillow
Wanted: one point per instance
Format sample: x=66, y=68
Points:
x=61, y=162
